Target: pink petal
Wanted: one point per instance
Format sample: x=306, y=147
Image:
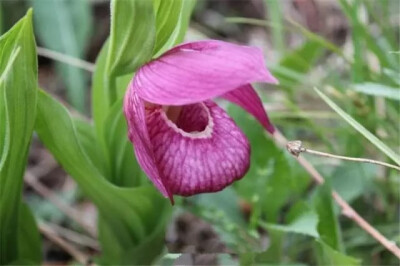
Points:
x=134, y=109
x=198, y=71
x=247, y=98
x=203, y=151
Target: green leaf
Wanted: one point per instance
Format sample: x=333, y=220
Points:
x=29, y=240
x=101, y=99
x=180, y=30
x=100, y=92
x=1, y=19
x=318, y=39
x=331, y=256
x=168, y=259
x=64, y=26
x=226, y=201
x=320, y=225
x=11, y=60
x=374, y=140
x=328, y=225
x=167, y=17
x=301, y=219
x=380, y=90
x=132, y=36
x=296, y=64
x=305, y=224
x=153, y=212
x=125, y=170
x=18, y=92
x=88, y=140
x=122, y=84
x=57, y=131
x=172, y=18
x=132, y=220
x=351, y=180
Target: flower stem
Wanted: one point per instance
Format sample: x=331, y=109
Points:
x=295, y=148
x=347, y=210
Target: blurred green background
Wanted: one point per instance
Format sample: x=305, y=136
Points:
x=275, y=214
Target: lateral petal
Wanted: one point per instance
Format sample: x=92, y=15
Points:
x=197, y=71
x=247, y=98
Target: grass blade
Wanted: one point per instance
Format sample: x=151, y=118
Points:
x=18, y=95
x=372, y=138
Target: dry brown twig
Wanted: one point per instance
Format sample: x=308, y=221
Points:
x=73, y=61
x=52, y=231
x=79, y=256
x=31, y=180
x=347, y=210
x=296, y=147
x=75, y=237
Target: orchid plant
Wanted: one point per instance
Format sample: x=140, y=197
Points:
x=184, y=142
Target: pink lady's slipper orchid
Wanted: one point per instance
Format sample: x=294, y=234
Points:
x=184, y=142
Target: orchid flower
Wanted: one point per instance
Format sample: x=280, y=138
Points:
x=184, y=142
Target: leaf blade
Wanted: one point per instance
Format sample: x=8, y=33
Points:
x=133, y=217
x=30, y=246
x=17, y=88
x=126, y=41
x=328, y=226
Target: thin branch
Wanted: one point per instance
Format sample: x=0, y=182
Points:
x=295, y=148
x=31, y=180
x=73, y=61
x=347, y=210
x=51, y=235
x=75, y=237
